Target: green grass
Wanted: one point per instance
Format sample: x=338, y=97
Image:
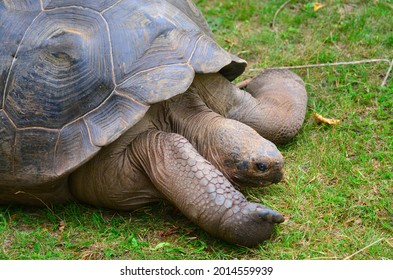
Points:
x=337, y=194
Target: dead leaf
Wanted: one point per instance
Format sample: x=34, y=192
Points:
x=321, y=119
x=62, y=226
x=13, y=216
x=318, y=6
x=165, y=233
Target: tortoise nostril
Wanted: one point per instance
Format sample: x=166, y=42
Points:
x=261, y=166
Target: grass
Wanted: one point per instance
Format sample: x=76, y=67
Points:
x=337, y=194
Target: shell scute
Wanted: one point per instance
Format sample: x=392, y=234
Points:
x=7, y=140
x=26, y=159
x=113, y=117
x=62, y=71
x=73, y=147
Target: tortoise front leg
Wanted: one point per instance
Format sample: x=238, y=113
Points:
x=274, y=104
x=282, y=99
x=199, y=190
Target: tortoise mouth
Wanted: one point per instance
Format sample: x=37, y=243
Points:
x=258, y=178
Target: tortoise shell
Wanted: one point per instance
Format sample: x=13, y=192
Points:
x=75, y=75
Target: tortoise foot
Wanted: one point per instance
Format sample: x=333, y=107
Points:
x=249, y=224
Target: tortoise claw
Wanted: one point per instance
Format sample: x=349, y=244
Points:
x=270, y=215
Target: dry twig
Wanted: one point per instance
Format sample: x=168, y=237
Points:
x=336, y=64
x=277, y=12
x=387, y=74
x=39, y=199
x=390, y=244
x=361, y=250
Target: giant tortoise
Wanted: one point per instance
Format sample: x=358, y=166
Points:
x=120, y=103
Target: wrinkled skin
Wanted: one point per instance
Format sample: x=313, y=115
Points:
x=194, y=148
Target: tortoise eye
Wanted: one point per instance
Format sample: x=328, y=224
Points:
x=261, y=166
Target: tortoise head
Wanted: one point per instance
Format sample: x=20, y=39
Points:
x=257, y=164
x=248, y=159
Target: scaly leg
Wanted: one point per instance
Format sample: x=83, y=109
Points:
x=199, y=190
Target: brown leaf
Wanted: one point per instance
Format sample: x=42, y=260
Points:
x=318, y=6
x=165, y=233
x=13, y=216
x=62, y=226
x=321, y=119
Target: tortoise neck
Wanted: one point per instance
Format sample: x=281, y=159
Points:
x=187, y=115
x=226, y=99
